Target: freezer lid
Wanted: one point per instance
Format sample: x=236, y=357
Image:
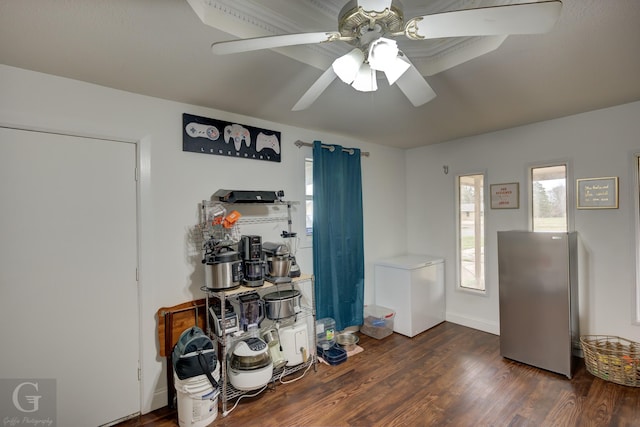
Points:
x=410, y=261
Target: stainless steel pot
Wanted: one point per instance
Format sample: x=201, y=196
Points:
x=223, y=269
x=282, y=304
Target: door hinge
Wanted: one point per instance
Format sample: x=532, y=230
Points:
x=136, y=174
x=139, y=372
x=137, y=275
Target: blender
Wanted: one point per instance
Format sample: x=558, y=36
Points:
x=251, y=311
x=292, y=243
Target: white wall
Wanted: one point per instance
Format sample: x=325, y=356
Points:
x=173, y=182
x=596, y=144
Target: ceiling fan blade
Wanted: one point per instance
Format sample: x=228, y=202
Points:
x=527, y=18
x=374, y=5
x=315, y=90
x=270, y=42
x=414, y=86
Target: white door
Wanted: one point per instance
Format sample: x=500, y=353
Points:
x=68, y=258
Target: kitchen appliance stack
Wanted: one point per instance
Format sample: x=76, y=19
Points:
x=259, y=310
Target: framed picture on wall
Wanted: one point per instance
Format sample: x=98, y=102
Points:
x=505, y=196
x=597, y=193
x=211, y=136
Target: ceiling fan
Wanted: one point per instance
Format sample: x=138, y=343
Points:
x=371, y=27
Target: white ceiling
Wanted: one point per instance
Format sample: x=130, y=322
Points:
x=590, y=60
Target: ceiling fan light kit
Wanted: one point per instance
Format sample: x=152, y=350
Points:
x=382, y=53
x=370, y=25
x=347, y=66
x=366, y=80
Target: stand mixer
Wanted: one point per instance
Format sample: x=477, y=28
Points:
x=277, y=262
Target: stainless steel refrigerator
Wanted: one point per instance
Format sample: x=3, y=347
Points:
x=538, y=280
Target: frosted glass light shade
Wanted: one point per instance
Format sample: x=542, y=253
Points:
x=346, y=67
x=382, y=54
x=366, y=79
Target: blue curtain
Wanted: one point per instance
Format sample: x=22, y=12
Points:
x=338, y=244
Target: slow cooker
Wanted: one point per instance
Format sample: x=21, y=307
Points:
x=282, y=304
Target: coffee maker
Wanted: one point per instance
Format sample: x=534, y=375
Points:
x=250, y=248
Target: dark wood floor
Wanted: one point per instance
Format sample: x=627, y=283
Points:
x=448, y=376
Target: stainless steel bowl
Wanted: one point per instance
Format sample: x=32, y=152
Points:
x=347, y=340
x=279, y=266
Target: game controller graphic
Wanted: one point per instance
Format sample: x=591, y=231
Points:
x=238, y=133
x=198, y=130
x=267, y=141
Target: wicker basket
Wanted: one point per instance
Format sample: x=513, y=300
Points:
x=612, y=358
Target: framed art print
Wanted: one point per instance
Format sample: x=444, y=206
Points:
x=505, y=196
x=217, y=137
x=597, y=193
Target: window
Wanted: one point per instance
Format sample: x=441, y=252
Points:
x=549, y=198
x=308, y=193
x=471, y=231
x=636, y=311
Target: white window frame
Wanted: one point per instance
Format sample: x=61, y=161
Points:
x=485, y=191
x=635, y=301
x=306, y=238
x=571, y=197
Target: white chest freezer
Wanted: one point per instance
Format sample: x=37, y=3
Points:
x=413, y=286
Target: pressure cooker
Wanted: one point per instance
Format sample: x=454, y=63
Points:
x=223, y=268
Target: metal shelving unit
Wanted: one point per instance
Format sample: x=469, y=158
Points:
x=211, y=227
x=227, y=391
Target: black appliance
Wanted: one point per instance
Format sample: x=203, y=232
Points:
x=250, y=248
x=241, y=196
x=229, y=321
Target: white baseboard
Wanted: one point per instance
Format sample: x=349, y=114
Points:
x=475, y=323
x=159, y=399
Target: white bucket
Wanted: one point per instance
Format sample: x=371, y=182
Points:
x=197, y=400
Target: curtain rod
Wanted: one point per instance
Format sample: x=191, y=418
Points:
x=299, y=144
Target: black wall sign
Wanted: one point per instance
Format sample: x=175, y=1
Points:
x=210, y=136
